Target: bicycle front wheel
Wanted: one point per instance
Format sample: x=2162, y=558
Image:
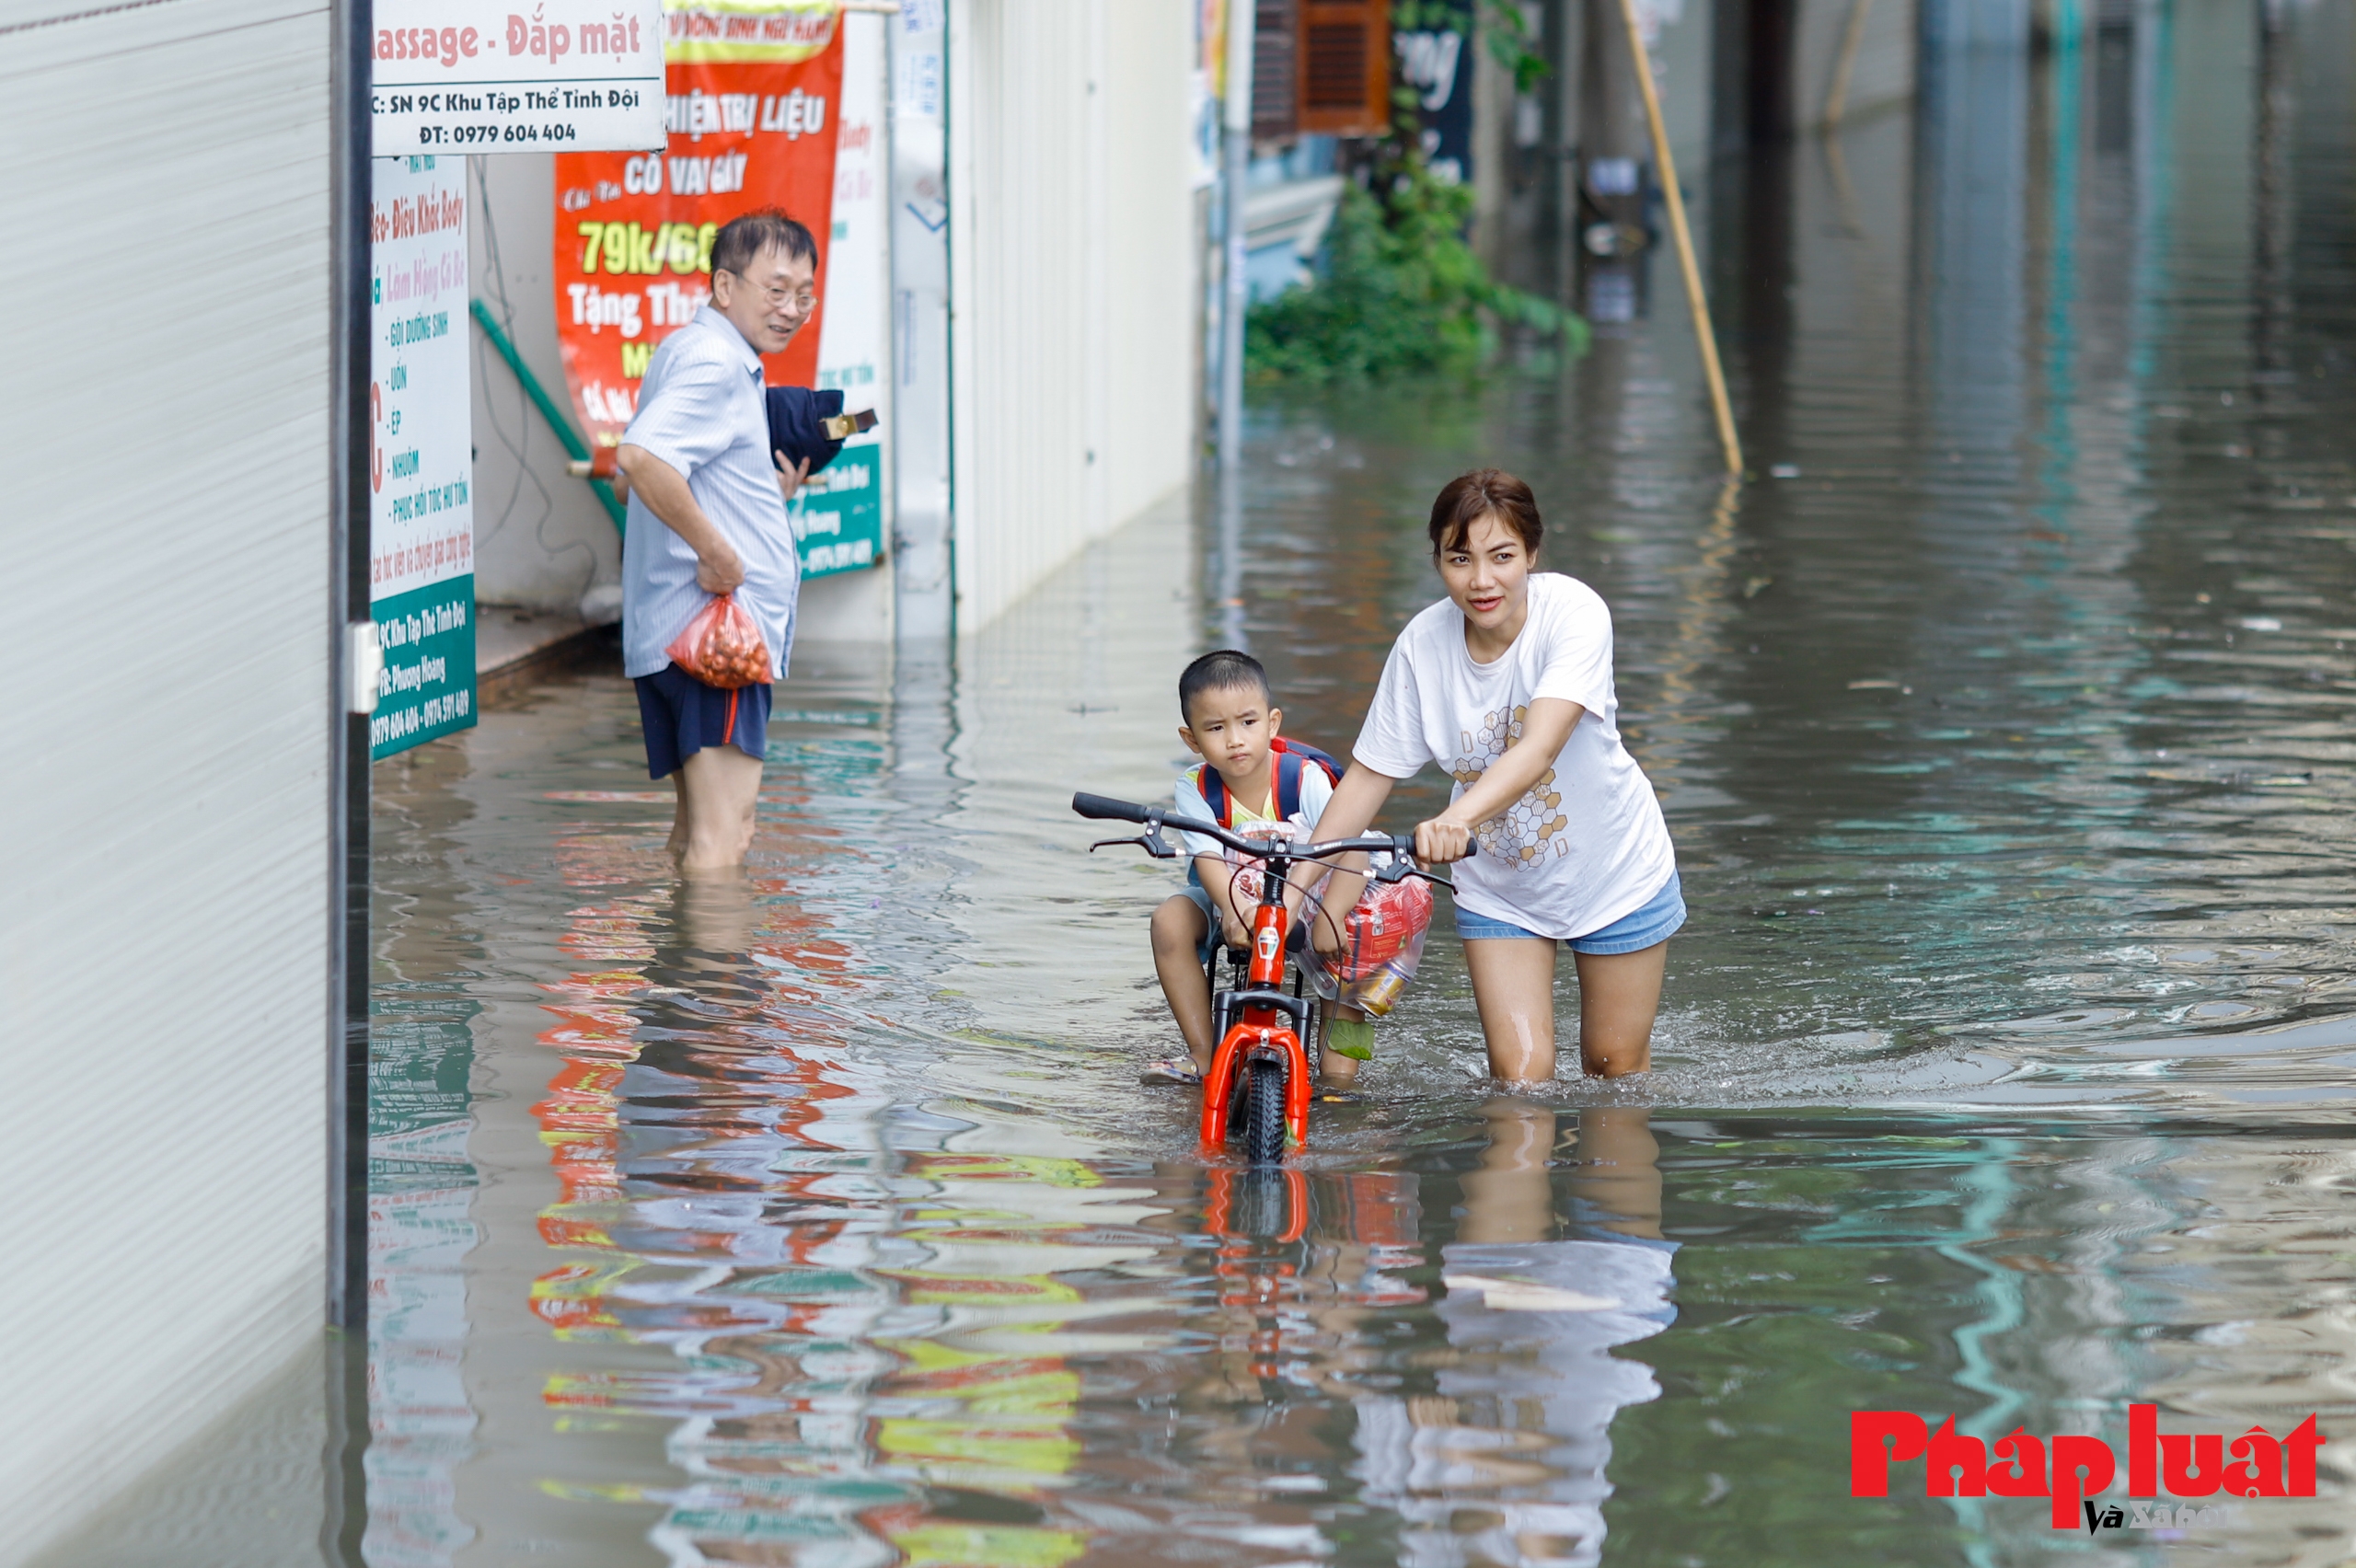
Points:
x=1264, y=1113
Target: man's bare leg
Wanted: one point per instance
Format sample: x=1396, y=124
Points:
x=717, y=789
x=678, y=844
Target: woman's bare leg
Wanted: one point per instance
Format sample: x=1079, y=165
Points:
x=1619, y=996
x=1511, y=1196
x=1513, y=985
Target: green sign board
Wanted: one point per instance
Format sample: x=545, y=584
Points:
x=428, y=686
x=838, y=514
x=421, y=453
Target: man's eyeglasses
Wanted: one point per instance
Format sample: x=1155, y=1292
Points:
x=800, y=299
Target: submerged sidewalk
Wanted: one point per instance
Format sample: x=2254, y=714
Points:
x=515, y=646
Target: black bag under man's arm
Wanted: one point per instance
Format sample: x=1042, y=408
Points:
x=800, y=421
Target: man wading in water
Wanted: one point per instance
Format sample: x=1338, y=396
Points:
x=706, y=517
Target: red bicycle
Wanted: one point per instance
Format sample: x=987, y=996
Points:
x=1258, y=1088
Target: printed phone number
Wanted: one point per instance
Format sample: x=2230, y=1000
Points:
x=402, y=723
x=485, y=135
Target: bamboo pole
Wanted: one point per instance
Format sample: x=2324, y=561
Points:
x=1696, y=304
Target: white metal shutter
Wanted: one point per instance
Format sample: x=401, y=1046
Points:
x=165, y=625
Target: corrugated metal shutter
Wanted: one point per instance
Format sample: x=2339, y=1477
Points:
x=166, y=623
x=1072, y=258
x=1345, y=75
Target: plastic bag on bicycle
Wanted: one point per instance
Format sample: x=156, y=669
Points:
x=1382, y=946
x=1243, y=872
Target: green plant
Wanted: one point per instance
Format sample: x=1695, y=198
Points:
x=1503, y=24
x=1398, y=290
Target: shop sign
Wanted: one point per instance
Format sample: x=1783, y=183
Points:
x=421, y=455
x=838, y=515
x=516, y=76
x=756, y=118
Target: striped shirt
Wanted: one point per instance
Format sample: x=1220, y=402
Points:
x=702, y=409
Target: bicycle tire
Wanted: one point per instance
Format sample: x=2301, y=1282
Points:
x=1262, y=1204
x=1264, y=1113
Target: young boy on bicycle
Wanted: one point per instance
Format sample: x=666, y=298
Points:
x=1246, y=776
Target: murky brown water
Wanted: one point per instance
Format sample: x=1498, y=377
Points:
x=818, y=1219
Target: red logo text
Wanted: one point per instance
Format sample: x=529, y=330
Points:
x=2071, y=1468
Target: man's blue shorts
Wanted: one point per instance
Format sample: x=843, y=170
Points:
x=1655, y=922
x=681, y=716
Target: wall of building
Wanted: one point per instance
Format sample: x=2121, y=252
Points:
x=1073, y=273
x=541, y=538
x=165, y=954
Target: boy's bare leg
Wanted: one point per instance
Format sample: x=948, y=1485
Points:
x=1178, y=930
x=1619, y=994
x=1337, y=1070
x=1513, y=987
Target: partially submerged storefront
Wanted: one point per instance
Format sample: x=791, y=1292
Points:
x=1031, y=160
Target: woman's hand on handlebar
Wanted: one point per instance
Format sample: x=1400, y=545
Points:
x=1442, y=841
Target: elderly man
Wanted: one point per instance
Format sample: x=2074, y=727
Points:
x=707, y=517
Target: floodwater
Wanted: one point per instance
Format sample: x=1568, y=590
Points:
x=2005, y=1065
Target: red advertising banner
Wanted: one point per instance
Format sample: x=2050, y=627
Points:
x=754, y=89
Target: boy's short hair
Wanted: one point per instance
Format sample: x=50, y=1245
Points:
x=1222, y=670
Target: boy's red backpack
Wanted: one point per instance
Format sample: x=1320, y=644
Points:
x=1291, y=758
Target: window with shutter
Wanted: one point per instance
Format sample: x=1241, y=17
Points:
x=1344, y=51
x=1275, y=103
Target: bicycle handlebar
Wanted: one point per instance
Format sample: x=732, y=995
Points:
x=1104, y=808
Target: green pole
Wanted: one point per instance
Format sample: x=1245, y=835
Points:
x=573, y=446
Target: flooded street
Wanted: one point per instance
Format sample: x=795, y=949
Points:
x=2005, y=1065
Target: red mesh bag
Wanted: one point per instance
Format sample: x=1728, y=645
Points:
x=721, y=647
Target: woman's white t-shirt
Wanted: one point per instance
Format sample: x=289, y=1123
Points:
x=1587, y=846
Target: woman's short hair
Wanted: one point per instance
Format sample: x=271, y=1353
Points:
x=1484, y=493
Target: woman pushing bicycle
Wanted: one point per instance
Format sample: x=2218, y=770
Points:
x=1506, y=683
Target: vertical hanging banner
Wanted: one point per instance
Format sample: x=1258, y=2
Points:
x=753, y=117
x=515, y=75
x=421, y=453
x=838, y=514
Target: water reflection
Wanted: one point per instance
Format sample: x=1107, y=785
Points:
x=815, y=1217
x=1507, y=1462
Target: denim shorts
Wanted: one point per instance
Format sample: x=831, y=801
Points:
x=1655, y=922
x=1212, y=936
